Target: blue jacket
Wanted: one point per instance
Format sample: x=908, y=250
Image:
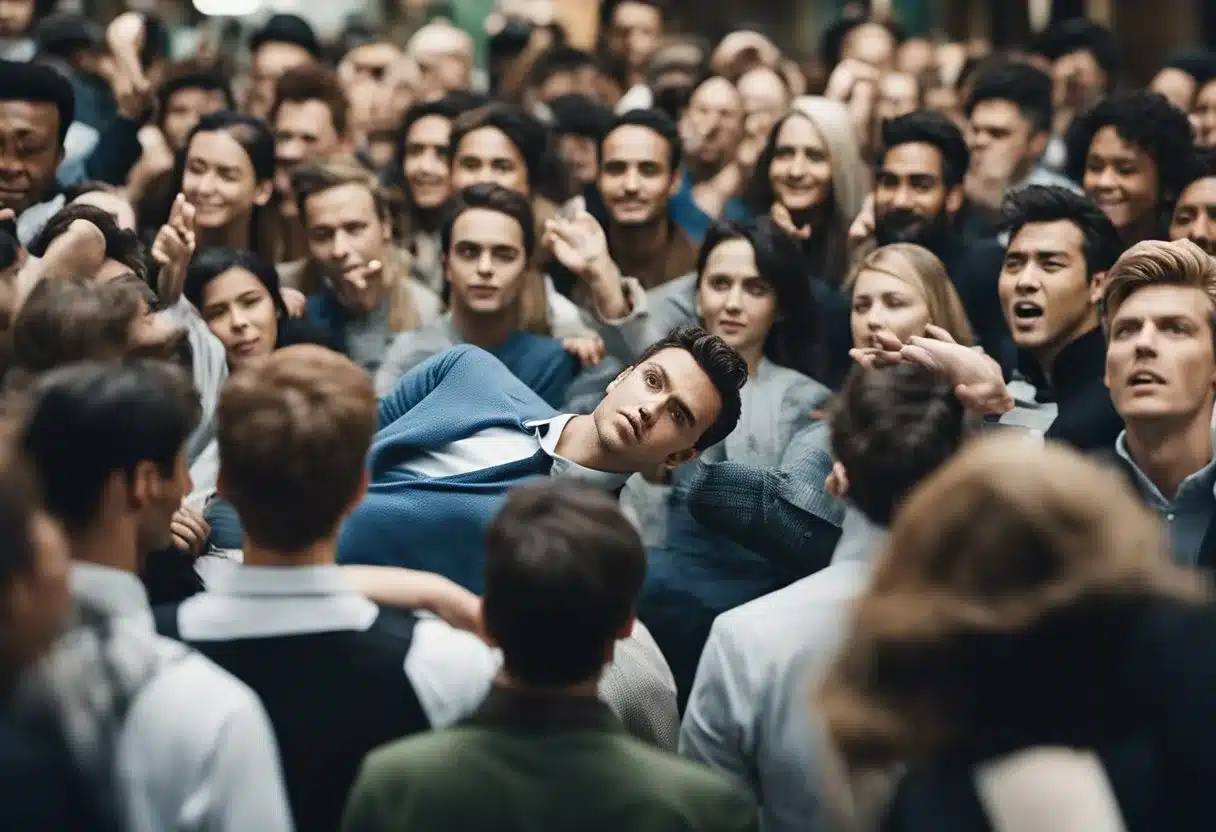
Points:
x=439, y=525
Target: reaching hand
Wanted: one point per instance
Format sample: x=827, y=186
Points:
x=578, y=243
x=977, y=379
x=189, y=531
x=588, y=349
x=862, y=228
x=783, y=220
x=173, y=248
x=294, y=300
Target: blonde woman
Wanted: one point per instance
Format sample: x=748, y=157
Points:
x=1058, y=621
x=901, y=289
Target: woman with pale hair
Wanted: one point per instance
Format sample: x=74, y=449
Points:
x=1053, y=640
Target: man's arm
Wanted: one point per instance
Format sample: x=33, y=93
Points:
x=652, y=315
x=419, y=382
x=784, y=514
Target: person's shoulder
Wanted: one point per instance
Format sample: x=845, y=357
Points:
x=668, y=779
x=191, y=681
x=800, y=389
x=427, y=756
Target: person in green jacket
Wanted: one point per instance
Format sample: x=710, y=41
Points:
x=542, y=754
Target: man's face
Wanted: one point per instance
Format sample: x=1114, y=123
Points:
x=654, y=412
x=270, y=62
x=29, y=152
x=370, y=62
x=1047, y=300
x=764, y=93
x=1122, y=179
x=898, y=95
x=715, y=117
x=303, y=132
x=37, y=602
x=911, y=201
x=485, y=262
x=634, y=33
x=345, y=234
x=488, y=156
x=1195, y=215
x=870, y=43
x=442, y=73
x=636, y=179
x=580, y=81
x=1203, y=116
x=426, y=163
x=1004, y=144
x=183, y=110
x=15, y=17
x=1159, y=359
x=159, y=496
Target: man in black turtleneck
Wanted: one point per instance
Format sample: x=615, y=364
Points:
x=1060, y=247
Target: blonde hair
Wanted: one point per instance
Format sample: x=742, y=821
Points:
x=1157, y=263
x=335, y=172
x=1059, y=534
x=923, y=271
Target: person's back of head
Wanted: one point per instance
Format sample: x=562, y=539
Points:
x=890, y=429
x=69, y=320
x=108, y=437
x=294, y=431
x=124, y=252
x=563, y=571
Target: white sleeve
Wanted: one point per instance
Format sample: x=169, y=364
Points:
x=246, y=782
x=450, y=671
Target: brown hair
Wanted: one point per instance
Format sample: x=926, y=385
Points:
x=1059, y=533
x=1158, y=263
x=68, y=320
x=336, y=172
x=313, y=83
x=293, y=432
x=923, y=271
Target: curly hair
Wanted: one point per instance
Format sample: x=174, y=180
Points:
x=1149, y=122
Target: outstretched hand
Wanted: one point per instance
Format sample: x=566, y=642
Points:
x=976, y=378
x=578, y=243
x=173, y=248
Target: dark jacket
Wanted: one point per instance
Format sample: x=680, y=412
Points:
x=1132, y=680
x=537, y=763
x=1087, y=418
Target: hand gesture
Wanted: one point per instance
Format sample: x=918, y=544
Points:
x=785, y=221
x=578, y=243
x=588, y=349
x=977, y=379
x=173, y=248
x=862, y=228
x=126, y=33
x=756, y=128
x=189, y=531
x=845, y=78
x=358, y=279
x=294, y=300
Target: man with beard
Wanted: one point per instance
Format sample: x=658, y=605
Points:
x=918, y=197
x=639, y=174
x=1195, y=214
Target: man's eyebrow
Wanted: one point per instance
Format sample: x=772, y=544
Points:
x=676, y=400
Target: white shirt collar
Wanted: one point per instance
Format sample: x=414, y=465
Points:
x=548, y=432
x=114, y=592
x=280, y=581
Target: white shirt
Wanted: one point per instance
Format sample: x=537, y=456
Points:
x=197, y=751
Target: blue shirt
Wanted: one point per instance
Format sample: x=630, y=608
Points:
x=685, y=212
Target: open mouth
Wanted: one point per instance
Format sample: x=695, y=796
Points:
x=1144, y=378
x=1025, y=310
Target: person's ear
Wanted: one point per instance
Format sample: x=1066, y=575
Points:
x=1038, y=143
x=954, y=200
x=263, y=192
x=679, y=458
x=620, y=377
x=1097, y=288
x=677, y=183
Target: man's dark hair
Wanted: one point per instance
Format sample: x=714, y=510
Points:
x=489, y=197
x=190, y=78
x=64, y=35
x=121, y=245
x=1200, y=64
x=659, y=122
x=1101, y=244
x=891, y=428
x=68, y=320
x=1146, y=120
x=287, y=28
x=1025, y=86
x=608, y=10
x=1202, y=166
x=557, y=60
x=725, y=368
x=42, y=85
x=831, y=41
x=1081, y=35
x=312, y=83
x=547, y=173
x=563, y=571
x=580, y=115
x=87, y=421
x=925, y=127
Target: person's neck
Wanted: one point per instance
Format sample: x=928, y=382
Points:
x=753, y=356
x=321, y=553
x=293, y=241
x=1048, y=355
x=702, y=172
x=111, y=544
x=485, y=331
x=580, y=443
x=1143, y=229
x=1168, y=451
x=639, y=243
x=587, y=688
x=237, y=235
x=427, y=220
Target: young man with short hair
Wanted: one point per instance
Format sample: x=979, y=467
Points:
x=631, y=32
x=1194, y=216
x=1159, y=312
x=361, y=290
x=890, y=429
x=488, y=240
x=284, y=42
x=108, y=444
x=461, y=430
x=563, y=569
x=1060, y=247
x=338, y=675
x=37, y=106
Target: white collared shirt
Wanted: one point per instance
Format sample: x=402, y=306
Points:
x=197, y=750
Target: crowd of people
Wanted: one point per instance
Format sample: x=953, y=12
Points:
x=666, y=437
